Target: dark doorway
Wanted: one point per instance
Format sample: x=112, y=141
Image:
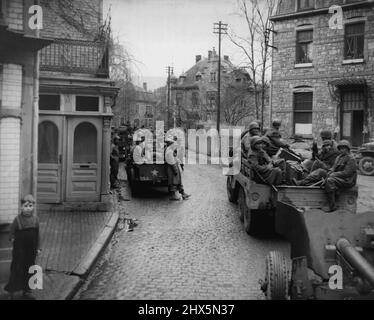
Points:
x=357, y=127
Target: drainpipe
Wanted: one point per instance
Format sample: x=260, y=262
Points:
x=35, y=125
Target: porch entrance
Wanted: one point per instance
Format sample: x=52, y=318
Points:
x=69, y=167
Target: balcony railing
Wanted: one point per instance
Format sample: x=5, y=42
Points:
x=76, y=57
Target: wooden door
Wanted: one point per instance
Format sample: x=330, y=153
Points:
x=84, y=159
x=50, y=150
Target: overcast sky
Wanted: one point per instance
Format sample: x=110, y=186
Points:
x=159, y=33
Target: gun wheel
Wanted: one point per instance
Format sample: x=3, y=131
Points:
x=277, y=276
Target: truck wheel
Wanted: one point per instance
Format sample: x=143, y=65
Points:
x=248, y=222
x=134, y=189
x=366, y=166
x=232, y=193
x=276, y=277
x=241, y=203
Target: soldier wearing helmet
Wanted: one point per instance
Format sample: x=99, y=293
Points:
x=262, y=165
x=343, y=174
x=253, y=130
x=275, y=138
x=320, y=166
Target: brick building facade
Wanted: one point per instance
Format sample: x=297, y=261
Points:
x=323, y=76
x=18, y=93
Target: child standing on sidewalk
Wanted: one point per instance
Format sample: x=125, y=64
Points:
x=24, y=234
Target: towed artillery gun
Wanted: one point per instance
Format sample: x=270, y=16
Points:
x=325, y=247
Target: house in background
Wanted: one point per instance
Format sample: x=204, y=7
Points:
x=194, y=93
x=76, y=97
x=323, y=77
x=137, y=108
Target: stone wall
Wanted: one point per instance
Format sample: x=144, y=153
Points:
x=328, y=64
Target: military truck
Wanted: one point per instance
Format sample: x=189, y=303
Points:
x=146, y=175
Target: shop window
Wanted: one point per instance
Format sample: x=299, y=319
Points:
x=303, y=113
x=354, y=40
x=85, y=143
x=49, y=102
x=85, y=103
x=304, y=42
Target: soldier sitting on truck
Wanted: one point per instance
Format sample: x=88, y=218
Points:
x=343, y=174
x=275, y=139
x=262, y=165
x=174, y=171
x=322, y=163
x=138, y=153
x=253, y=130
x=308, y=164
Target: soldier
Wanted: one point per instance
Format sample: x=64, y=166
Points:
x=114, y=162
x=262, y=164
x=275, y=139
x=324, y=162
x=253, y=130
x=343, y=174
x=174, y=172
x=138, y=153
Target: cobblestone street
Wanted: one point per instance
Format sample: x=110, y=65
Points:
x=195, y=249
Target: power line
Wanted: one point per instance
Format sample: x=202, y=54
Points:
x=170, y=71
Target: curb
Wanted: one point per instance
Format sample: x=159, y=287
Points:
x=105, y=235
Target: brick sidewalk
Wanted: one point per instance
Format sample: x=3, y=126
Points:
x=67, y=238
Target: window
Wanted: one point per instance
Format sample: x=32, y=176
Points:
x=85, y=143
x=354, y=40
x=83, y=103
x=2, y=9
x=195, y=99
x=305, y=5
x=303, y=113
x=211, y=100
x=304, y=41
x=213, y=77
x=179, y=98
x=49, y=102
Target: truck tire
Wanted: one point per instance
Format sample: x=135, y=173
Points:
x=242, y=204
x=277, y=277
x=366, y=166
x=232, y=193
x=248, y=222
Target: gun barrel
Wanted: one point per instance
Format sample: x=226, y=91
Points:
x=356, y=260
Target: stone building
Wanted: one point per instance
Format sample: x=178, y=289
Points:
x=19, y=45
x=75, y=101
x=138, y=107
x=194, y=93
x=323, y=71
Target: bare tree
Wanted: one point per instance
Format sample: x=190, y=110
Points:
x=255, y=45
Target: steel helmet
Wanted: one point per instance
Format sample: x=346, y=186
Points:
x=326, y=134
x=254, y=125
x=255, y=140
x=344, y=143
x=276, y=122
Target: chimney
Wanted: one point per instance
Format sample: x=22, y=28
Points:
x=210, y=54
x=145, y=86
x=226, y=58
x=198, y=58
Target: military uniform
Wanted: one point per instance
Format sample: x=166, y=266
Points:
x=264, y=171
x=343, y=174
x=114, y=164
x=246, y=140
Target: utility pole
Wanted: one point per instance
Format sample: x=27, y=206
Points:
x=219, y=28
x=170, y=71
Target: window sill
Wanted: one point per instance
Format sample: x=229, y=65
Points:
x=353, y=61
x=304, y=65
